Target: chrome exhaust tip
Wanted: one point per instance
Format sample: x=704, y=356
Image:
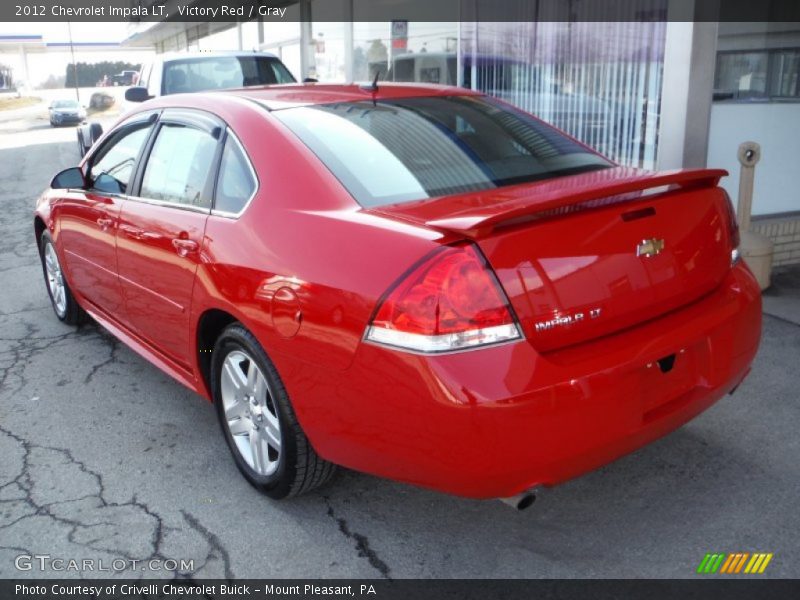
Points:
x=521, y=501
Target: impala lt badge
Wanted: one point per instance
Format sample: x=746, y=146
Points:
x=650, y=247
x=562, y=320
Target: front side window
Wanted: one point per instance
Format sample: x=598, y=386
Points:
x=236, y=181
x=224, y=72
x=414, y=148
x=113, y=164
x=178, y=167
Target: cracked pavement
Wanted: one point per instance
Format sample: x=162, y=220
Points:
x=104, y=457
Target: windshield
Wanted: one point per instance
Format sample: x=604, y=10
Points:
x=415, y=148
x=223, y=72
x=65, y=104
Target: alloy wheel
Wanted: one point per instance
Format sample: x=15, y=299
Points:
x=55, y=280
x=250, y=412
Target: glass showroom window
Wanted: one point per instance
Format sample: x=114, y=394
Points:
x=282, y=38
x=785, y=74
x=763, y=74
x=328, y=48
x=372, y=44
x=426, y=54
x=741, y=75
x=600, y=82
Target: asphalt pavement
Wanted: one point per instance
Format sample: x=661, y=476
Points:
x=103, y=457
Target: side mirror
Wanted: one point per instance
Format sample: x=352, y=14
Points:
x=69, y=178
x=137, y=94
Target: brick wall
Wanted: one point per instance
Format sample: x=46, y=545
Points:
x=784, y=231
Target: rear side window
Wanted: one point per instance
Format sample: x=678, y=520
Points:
x=213, y=73
x=113, y=164
x=236, y=183
x=178, y=167
x=416, y=148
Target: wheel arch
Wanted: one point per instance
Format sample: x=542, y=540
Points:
x=210, y=325
x=38, y=229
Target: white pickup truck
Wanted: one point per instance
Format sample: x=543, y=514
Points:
x=180, y=73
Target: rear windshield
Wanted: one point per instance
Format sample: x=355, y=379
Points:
x=223, y=72
x=415, y=148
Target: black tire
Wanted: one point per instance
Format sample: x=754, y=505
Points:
x=95, y=131
x=72, y=314
x=299, y=468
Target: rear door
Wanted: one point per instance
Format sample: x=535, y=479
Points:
x=161, y=229
x=88, y=219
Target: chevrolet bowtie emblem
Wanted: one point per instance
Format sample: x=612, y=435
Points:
x=650, y=247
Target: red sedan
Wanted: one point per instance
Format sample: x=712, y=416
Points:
x=423, y=283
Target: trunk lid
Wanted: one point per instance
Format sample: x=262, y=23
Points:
x=584, y=256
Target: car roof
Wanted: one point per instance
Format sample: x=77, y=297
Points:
x=170, y=56
x=277, y=97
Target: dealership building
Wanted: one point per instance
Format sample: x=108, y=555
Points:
x=655, y=93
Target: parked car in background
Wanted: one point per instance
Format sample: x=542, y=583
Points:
x=89, y=133
x=183, y=73
x=125, y=78
x=66, y=112
x=419, y=282
x=101, y=100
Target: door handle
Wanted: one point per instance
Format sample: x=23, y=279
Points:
x=184, y=247
x=105, y=223
x=132, y=232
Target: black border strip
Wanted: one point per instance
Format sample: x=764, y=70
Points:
x=731, y=588
x=31, y=11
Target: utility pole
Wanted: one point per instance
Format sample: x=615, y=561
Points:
x=74, y=65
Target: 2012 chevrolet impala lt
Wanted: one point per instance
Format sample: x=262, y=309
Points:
x=419, y=282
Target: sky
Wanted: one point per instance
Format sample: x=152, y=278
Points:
x=57, y=32
x=43, y=64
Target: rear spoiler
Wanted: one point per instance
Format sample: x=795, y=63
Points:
x=475, y=213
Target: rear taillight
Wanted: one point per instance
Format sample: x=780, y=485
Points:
x=451, y=301
x=733, y=230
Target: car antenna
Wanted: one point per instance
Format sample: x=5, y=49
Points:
x=373, y=87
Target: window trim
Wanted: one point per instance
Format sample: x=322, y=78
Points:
x=184, y=117
x=150, y=119
x=218, y=172
x=165, y=203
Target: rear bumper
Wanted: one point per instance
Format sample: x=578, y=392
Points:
x=496, y=421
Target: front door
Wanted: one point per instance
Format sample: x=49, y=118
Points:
x=88, y=218
x=161, y=231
